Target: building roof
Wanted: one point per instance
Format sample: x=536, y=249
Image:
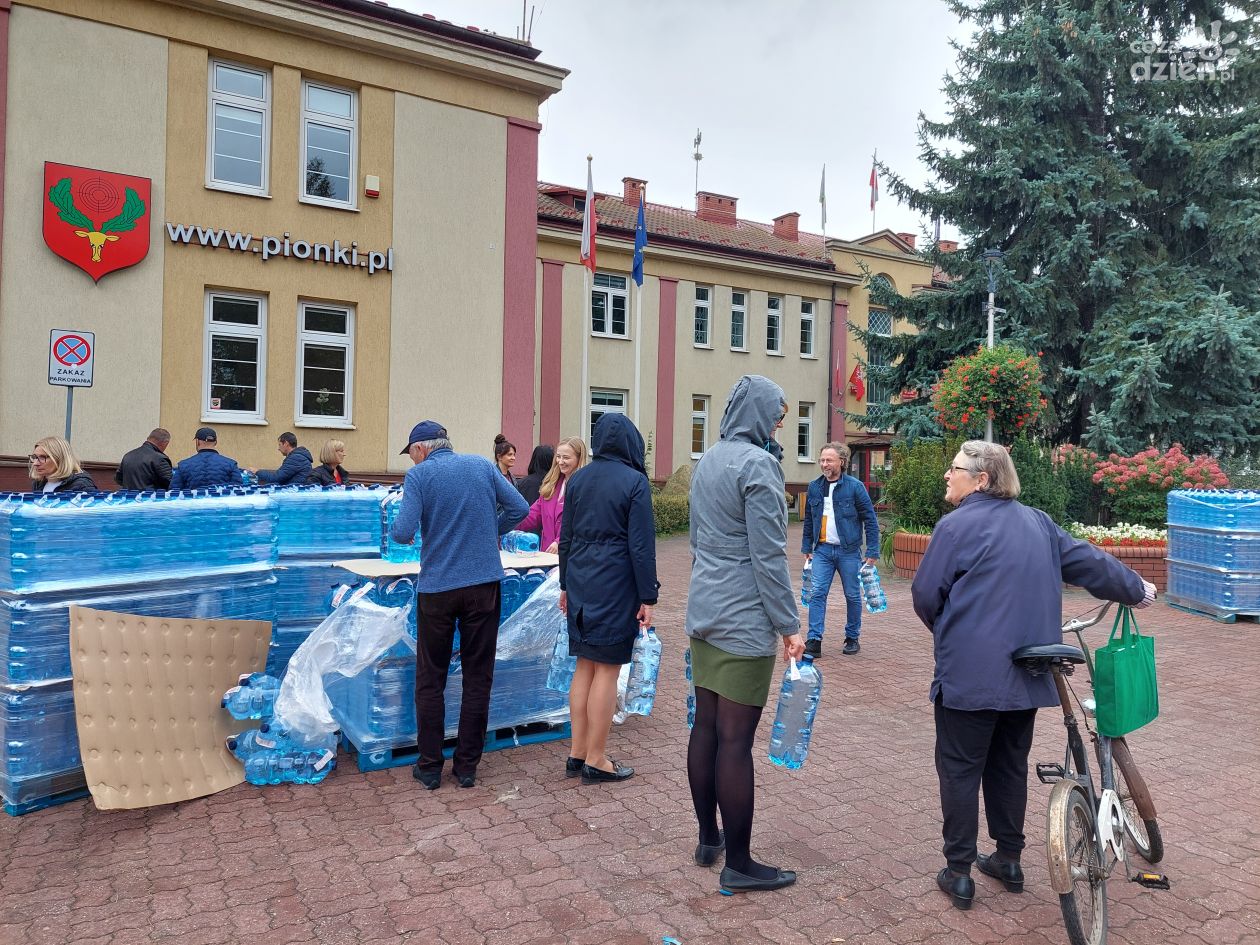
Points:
x=679, y=227
x=431, y=25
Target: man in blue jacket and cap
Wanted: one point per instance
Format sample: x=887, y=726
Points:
x=206, y=467
x=461, y=505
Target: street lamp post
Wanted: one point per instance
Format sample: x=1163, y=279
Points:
x=991, y=257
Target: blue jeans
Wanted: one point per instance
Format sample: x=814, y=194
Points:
x=828, y=559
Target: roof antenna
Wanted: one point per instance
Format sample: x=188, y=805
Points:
x=699, y=157
x=529, y=34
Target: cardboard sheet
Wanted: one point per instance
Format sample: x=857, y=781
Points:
x=379, y=567
x=147, y=697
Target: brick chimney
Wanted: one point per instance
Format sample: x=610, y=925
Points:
x=947, y=246
x=630, y=187
x=716, y=208
x=785, y=227
x=908, y=237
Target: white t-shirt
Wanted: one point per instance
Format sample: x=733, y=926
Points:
x=52, y=484
x=830, y=533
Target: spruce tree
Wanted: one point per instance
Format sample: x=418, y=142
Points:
x=1128, y=209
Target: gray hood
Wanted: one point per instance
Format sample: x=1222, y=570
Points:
x=752, y=410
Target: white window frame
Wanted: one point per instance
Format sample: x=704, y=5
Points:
x=774, y=316
x=244, y=102
x=230, y=330
x=805, y=424
x=741, y=309
x=609, y=292
x=324, y=340
x=608, y=392
x=807, y=329
x=699, y=415
x=350, y=124
x=702, y=322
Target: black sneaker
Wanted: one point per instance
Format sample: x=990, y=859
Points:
x=429, y=778
x=851, y=646
x=813, y=648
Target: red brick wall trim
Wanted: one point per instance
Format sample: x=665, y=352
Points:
x=663, y=465
x=552, y=344
x=520, y=241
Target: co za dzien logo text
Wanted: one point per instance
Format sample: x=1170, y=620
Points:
x=267, y=247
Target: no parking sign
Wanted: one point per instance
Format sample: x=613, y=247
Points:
x=71, y=357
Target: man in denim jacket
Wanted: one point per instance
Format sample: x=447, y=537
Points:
x=837, y=511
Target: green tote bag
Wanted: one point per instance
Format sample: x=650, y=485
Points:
x=1124, y=679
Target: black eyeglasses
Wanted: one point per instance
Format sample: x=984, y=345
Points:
x=963, y=469
x=36, y=458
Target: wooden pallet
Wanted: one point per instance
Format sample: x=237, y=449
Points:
x=531, y=733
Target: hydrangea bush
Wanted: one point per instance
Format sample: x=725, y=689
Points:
x=1137, y=486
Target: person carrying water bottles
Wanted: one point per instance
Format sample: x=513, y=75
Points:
x=741, y=611
x=837, y=506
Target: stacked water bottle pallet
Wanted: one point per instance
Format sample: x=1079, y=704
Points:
x=168, y=555
x=376, y=709
x=1214, y=553
x=314, y=527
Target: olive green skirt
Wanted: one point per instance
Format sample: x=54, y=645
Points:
x=742, y=679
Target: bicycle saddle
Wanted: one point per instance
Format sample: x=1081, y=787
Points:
x=1039, y=659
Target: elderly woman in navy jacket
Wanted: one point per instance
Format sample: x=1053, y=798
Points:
x=608, y=585
x=991, y=582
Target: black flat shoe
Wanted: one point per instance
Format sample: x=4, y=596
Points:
x=960, y=889
x=598, y=775
x=573, y=766
x=467, y=780
x=707, y=853
x=738, y=882
x=1008, y=872
x=430, y=779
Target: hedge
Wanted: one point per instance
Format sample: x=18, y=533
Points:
x=671, y=513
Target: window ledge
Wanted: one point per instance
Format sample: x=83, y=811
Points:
x=703, y=347
x=324, y=424
x=229, y=189
x=739, y=350
x=775, y=354
x=601, y=334
x=809, y=357
x=236, y=421
x=803, y=460
x=331, y=205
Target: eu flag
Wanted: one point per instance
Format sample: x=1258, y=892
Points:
x=640, y=241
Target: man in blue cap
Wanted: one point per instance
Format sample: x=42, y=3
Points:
x=461, y=505
x=206, y=467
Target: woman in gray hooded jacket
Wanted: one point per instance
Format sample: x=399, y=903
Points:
x=741, y=611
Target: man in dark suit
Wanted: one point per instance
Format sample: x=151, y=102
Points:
x=147, y=466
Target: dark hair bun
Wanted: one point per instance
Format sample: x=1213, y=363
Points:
x=499, y=438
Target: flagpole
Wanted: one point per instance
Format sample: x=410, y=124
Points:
x=638, y=347
x=874, y=188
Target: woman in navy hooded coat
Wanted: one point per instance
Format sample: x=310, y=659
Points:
x=607, y=585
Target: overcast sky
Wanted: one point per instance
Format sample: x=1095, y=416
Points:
x=777, y=87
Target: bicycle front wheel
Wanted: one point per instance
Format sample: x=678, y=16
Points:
x=1139, y=810
x=1076, y=872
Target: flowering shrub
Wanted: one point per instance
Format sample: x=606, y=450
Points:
x=1074, y=466
x=1002, y=384
x=1122, y=535
x=1136, y=486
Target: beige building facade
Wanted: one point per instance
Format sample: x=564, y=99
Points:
x=341, y=225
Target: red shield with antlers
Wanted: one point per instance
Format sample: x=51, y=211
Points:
x=96, y=219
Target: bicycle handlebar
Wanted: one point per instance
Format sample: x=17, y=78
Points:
x=1076, y=624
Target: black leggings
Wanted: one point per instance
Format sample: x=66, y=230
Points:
x=720, y=772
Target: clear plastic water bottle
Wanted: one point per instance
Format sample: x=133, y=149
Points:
x=645, y=667
x=258, y=681
x=526, y=543
x=390, y=549
x=251, y=702
x=691, y=690
x=794, y=718
x=256, y=741
x=510, y=594
x=533, y=580
x=299, y=767
x=873, y=596
x=806, y=584
x=563, y=666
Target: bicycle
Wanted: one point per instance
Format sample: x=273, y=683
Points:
x=1088, y=831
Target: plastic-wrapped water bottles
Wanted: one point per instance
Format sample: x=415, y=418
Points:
x=794, y=718
x=256, y=741
x=521, y=543
x=563, y=666
x=299, y=767
x=510, y=595
x=691, y=690
x=252, y=699
x=390, y=549
x=532, y=581
x=645, y=667
x=873, y=596
x=806, y=585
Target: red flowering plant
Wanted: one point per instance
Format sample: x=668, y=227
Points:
x=1137, y=486
x=1002, y=384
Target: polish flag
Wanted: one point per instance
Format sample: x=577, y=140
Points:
x=874, y=186
x=589, y=223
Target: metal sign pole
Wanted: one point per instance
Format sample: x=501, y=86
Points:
x=69, y=410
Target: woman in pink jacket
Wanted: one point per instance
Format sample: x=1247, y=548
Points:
x=544, y=515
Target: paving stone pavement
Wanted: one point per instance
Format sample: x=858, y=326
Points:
x=529, y=856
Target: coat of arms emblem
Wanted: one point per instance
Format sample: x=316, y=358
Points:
x=97, y=220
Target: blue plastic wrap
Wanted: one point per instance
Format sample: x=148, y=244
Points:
x=80, y=540
x=303, y=586
x=1236, y=510
x=315, y=520
x=35, y=628
x=39, y=734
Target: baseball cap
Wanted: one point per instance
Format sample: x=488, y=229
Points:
x=424, y=430
x=207, y=434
